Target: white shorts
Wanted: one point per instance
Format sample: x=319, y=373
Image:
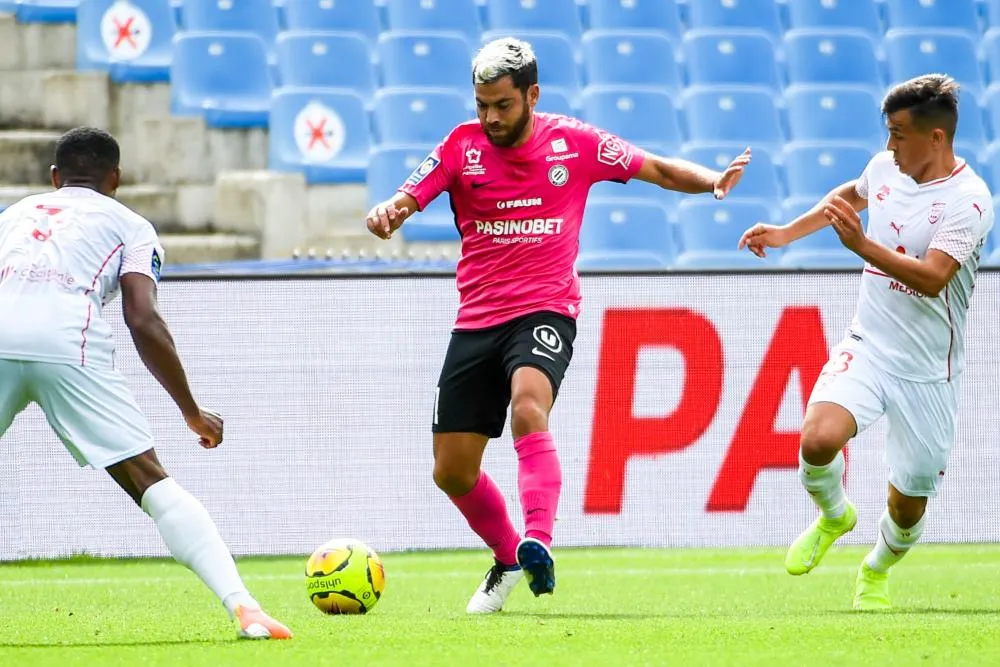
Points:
x=921, y=415
x=91, y=409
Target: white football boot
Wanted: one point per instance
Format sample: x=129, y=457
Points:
x=492, y=593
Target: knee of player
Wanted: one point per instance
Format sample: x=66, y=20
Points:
x=528, y=415
x=906, y=511
x=820, y=442
x=453, y=479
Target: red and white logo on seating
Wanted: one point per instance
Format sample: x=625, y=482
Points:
x=612, y=151
x=319, y=132
x=126, y=31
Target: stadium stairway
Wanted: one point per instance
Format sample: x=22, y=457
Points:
x=206, y=190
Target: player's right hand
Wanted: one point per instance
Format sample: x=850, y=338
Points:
x=762, y=236
x=385, y=218
x=207, y=425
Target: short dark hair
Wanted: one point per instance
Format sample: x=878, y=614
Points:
x=87, y=152
x=932, y=100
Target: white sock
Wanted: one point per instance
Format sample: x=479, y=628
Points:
x=892, y=542
x=824, y=484
x=194, y=541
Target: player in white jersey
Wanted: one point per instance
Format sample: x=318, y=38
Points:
x=63, y=256
x=902, y=356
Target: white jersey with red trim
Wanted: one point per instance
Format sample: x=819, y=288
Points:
x=61, y=255
x=912, y=336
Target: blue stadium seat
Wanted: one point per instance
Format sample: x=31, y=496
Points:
x=709, y=231
x=991, y=52
x=760, y=180
x=834, y=113
x=630, y=58
x=556, y=55
x=351, y=16
x=536, y=15
x=730, y=57
x=461, y=16
x=733, y=114
x=971, y=128
x=388, y=169
x=47, y=11
x=8, y=7
x=974, y=155
x=992, y=12
x=911, y=53
x=759, y=14
x=638, y=116
x=835, y=14
x=992, y=166
x=555, y=101
x=821, y=249
x=414, y=116
x=813, y=169
x=935, y=14
x=624, y=235
x=132, y=44
x=221, y=76
x=827, y=56
x=659, y=15
x=323, y=133
x=255, y=16
x=326, y=59
x=638, y=191
x=425, y=59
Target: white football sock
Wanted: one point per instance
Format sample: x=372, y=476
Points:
x=824, y=484
x=194, y=541
x=892, y=542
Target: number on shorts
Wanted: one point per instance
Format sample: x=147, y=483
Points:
x=845, y=359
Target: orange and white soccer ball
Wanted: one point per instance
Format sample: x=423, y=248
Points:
x=345, y=577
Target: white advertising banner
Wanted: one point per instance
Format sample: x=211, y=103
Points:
x=677, y=423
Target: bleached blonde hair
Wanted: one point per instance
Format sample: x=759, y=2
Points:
x=506, y=56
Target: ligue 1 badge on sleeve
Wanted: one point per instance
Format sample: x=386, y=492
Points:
x=156, y=264
x=558, y=175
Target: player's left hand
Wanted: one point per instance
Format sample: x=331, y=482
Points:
x=846, y=222
x=732, y=175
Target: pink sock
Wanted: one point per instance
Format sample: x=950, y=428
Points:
x=539, y=479
x=486, y=511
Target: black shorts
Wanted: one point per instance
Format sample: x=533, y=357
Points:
x=473, y=392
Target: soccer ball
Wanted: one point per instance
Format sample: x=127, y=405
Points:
x=345, y=577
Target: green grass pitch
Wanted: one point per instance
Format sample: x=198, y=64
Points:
x=612, y=607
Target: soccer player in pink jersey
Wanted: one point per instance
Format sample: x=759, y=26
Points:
x=518, y=182
x=903, y=354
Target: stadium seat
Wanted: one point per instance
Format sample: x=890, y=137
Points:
x=821, y=249
x=47, y=11
x=730, y=57
x=8, y=7
x=556, y=54
x=813, y=169
x=936, y=14
x=535, y=15
x=388, y=169
x=627, y=58
x=733, y=114
x=323, y=133
x=352, y=16
x=835, y=15
x=133, y=44
x=834, y=113
x=221, y=76
x=555, y=101
x=991, y=51
x=326, y=59
x=714, y=14
x=461, y=16
x=625, y=235
x=760, y=180
x=425, y=59
x=710, y=230
x=974, y=155
x=413, y=116
x=638, y=116
x=659, y=15
x=636, y=190
x=971, y=128
x=836, y=57
x=256, y=16
x=911, y=53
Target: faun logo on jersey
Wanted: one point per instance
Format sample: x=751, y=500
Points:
x=425, y=167
x=531, y=230
x=935, y=214
x=613, y=151
x=519, y=203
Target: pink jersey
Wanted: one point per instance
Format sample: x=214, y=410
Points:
x=519, y=212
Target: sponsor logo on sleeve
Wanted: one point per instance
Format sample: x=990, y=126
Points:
x=613, y=151
x=427, y=166
x=156, y=264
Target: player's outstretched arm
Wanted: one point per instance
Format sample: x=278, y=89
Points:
x=388, y=216
x=156, y=348
x=762, y=236
x=691, y=178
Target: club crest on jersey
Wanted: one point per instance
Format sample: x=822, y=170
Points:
x=424, y=168
x=156, y=264
x=882, y=194
x=613, y=151
x=935, y=214
x=558, y=175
